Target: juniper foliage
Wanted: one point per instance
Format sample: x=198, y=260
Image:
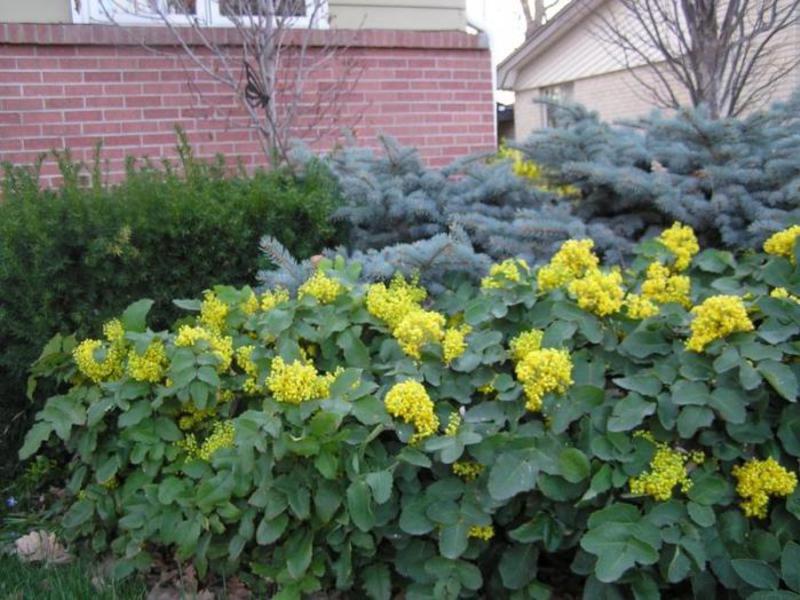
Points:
x=735, y=181
x=403, y=216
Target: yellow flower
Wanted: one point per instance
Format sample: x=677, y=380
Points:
x=453, y=423
x=251, y=305
x=193, y=416
x=482, y=533
x=467, y=470
x=640, y=307
x=508, y=271
x=525, y=343
x=543, y=371
x=599, y=293
x=223, y=435
x=213, y=312
x=391, y=304
x=410, y=402
x=417, y=328
x=662, y=286
x=221, y=346
x=716, y=318
x=324, y=382
x=109, y=365
x=760, y=479
x=681, y=241
x=149, y=366
x=783, y=294
x=245, y=361
x=271, y=299
x=113, y=331
x=782, y=243
x=667, y=469
x=455, y=342
x=292, y=383
x=573, y=260
x=323, y=288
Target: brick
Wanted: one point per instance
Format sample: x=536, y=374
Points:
x=74, y=102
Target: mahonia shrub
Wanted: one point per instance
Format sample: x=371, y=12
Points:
x=575, y=429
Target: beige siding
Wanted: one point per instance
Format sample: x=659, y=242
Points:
x=427, y=15
x=35, y=11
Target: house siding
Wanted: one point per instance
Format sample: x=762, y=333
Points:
x=420, y=15
x=72, y=86
x=601, y=83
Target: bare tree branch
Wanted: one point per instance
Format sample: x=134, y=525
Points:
x=723, y=54
x=272, y=65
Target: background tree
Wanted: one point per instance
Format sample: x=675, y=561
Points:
x=289, y=79
x=724, y=54
x=537, y=16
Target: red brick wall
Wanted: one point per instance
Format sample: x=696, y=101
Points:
x=70, y=86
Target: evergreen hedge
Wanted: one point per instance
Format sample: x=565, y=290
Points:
x=565, y=431
x=74, y=256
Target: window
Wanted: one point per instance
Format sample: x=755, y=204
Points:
x=213, y=13
x=556, y=93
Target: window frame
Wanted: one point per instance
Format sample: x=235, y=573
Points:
x=208, y=14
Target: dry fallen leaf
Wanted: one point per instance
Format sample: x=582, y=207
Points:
x=41, y=546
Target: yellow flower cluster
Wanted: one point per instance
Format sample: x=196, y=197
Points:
x=390, y=304
x=528, y=169
x=294, y=382
x=572, y=261
x=715, y=318
x=109, y=366
x=273, y=298
x=113, y=331
x=667, y=469
x=251, y=305
x=193, y=416
x=663, y=286
x=245, y=361
x=223, y=434
x=221, y=345
x=682, y=242
x=760, y=479
x=149, y=366
x=213, y=312
x=410, y=402
x=325, y=289
x=598, y=292
x=417, y=328
x=455, y=342
x=453, y=423
x=525, y=343
x=482, y=533
x=782, y=243
x=640, y=307
x=783, y=294
x=467, y=470
x=543, y=371
x=509, y=271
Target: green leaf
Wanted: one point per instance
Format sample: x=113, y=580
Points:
x=690, y=392
x=37, y=435
x=620, y=546
x=359, y=504
x=756, y=573
x=169, y=490
x=453, y=539
x=518, y=565
x=270, y=530
x=78, y=514
x=641, y=344
x=299, y=548
x=62, y=412
x=380, y=483
x=780, y=377
x=702, y=515
x=629, y=413
x=646, y=385
x=135, y=316
x=510, y=475
x=138, y=411
x=377, y=582
x=708, y=489
x=693, y=418
x=573, y=465
x=790, y=565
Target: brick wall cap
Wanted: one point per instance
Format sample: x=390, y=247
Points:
x=105, y=35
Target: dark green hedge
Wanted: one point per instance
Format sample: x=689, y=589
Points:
x=71, y=257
